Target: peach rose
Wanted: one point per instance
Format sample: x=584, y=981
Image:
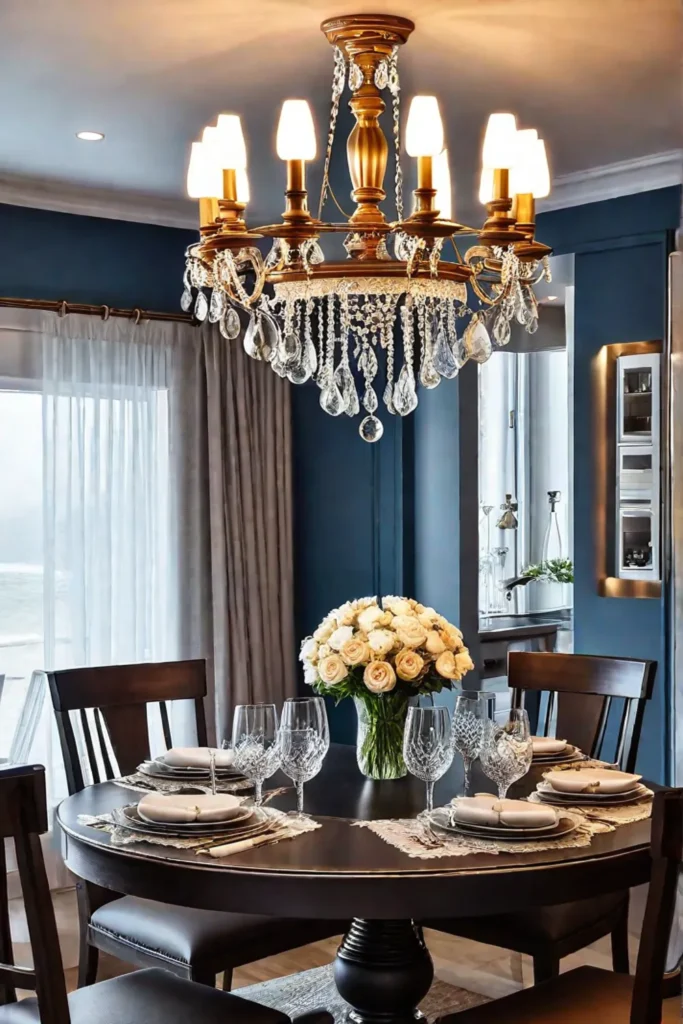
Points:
x=379, y=677
x=332, y=670
x=463, y=662
x=408, y=664
x=355, y=651
x=434, y=644
x=446, y=667
x=409, y=631
x=370, y=617
x=381, y=641
x=452, y=637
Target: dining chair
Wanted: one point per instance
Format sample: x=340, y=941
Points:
x=582, y=694
x=590, y=994
x=111, y=704
x=149, y=996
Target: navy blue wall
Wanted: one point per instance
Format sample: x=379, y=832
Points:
x=621, y=251
x=49, y=255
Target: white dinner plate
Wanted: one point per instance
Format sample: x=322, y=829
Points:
x=592, y=780
x=440, y=818
x=253, y=822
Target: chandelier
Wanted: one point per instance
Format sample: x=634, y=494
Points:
x=395, y=312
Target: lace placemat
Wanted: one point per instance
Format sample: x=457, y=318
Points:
x=412, y=837
x=146, y=784
x=283, y=826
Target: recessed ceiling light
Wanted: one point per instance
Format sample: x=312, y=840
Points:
x=90, y=136
x=551, y=298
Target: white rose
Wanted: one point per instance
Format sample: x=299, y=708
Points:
x=398, y=605
x=324, y=651
x=340, y=636
x=381, y=641
x=369, y=617
x=346, y=614
x=309, y=649
x=323, y=633
x=310, y=674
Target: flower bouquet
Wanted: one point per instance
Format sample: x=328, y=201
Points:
x=382, y=653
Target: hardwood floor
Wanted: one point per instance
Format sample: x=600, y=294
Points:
x=489, y=970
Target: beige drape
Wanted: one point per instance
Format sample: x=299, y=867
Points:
x=250, y=515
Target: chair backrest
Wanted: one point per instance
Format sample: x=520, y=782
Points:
x=23, y=817
x=581, y=689
x=666, y=849
x=118, y=696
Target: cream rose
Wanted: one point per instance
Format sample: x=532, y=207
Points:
x=355, y=651
x=452, y=637
x=310, y=674
x=379, y=677
x=408, y=664
x=323, y=632
x=434, y=644
x=346, y=614
x=409, y=631
x=309, y=650
x=463, y=662
x=398, y=605
x=340, y=636
x=332, y=669
x=324, y=651
x=445, y=665
x=370, y=617
x=381, y=641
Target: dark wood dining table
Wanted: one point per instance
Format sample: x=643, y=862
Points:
x=383, y=967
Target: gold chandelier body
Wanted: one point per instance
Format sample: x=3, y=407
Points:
x=359, y=303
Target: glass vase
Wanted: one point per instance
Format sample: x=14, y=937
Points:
x=379, y=743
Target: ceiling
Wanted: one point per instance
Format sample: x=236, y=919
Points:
x=599, y=78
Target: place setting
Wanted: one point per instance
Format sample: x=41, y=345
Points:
x=606, y=795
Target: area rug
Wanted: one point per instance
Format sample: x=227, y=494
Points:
x=315, y=990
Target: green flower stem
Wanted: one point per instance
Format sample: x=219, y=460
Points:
x=380, y=754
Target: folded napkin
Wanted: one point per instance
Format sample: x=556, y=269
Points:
x=485, y=809
x=177, y=809
x=592, y=780
x=197, y=757
x=547, y=745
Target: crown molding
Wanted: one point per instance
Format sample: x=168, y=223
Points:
x=113, y=204
x=659, y=170
x=644, y=174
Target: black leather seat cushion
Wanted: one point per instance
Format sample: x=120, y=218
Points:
x=552, y=924
x=149, y=997
x=214, y=938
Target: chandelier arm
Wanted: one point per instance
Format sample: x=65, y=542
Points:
x=481, y=294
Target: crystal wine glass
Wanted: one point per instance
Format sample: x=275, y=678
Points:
x=427, y=748
x=469, y=718
x=304, y=740
x=507, y=749
x=255, y=743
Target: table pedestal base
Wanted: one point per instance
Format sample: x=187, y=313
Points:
x=383, y=969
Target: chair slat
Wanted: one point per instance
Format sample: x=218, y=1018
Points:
x=89, y=746
x=7, y=985
x=104, y=750
x=165, y=724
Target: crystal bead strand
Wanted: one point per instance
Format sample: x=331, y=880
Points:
x=405, y=395
x=331, y=400
x=429, y=378
x=338, y=79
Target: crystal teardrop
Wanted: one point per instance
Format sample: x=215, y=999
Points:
x=501, y=330
x=388, y=397
x=429, y=378
x=370, y=399
x=270, y=337
x=477, y=342
x=201, y=307
x=444, y=362
x=371, y=429
x=186, y=301
x=331, y=400
x=216, y=306
x=299, y=373
x=315, y=253
x=405, y=395
x=251, y=338
x=232, y=324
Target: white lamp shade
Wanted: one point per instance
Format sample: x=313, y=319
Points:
x=442, y=183
x=204, y=180
x=424, y=131
x=486, y=185
x=296, y=131
x=243, y=191
x=229, y=142
x=541, y=171
x=500, y=141
x=522, y=175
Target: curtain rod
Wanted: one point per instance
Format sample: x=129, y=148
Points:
x=63, y=308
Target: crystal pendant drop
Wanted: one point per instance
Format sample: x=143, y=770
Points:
x=405, y=395
x=201, y=307
x=231, y=325
x=429, y=378
x=251, y=338
x=356, y=77
x=310, y=354
x=444, y=361
x=370, y=399
x=501, y=330
x=216, y=306
x=186, y=300
x=371, y=429
x=315, y=253
x=477, y=342
x=270, y=337
x=343, y=378
x=382, y=75
x=291, y=351
x=388, y=397
x=331, y=400
x=299, y=373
